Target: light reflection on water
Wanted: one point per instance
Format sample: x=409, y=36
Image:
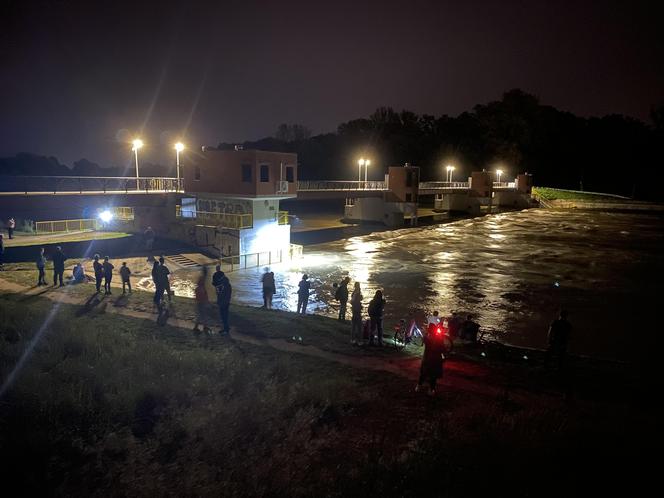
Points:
x=501, y=268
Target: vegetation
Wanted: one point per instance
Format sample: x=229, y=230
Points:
x=552, y=194
x=115, y=405
x=64, y=237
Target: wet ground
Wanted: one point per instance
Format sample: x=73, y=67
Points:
x=511, y=271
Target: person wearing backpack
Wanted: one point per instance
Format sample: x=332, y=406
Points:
x=269, y=288
x=341, y=295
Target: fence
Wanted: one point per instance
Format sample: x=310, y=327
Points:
x=223, y=220
x=97, y=184
x=60, y=226
x=258, y=259
x=334, y=185
x=123, y=213
x=282, y=217
x=442, y=185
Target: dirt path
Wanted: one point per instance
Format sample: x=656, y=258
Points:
x=458, y=375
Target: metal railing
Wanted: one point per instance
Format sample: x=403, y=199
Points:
x=122, y=213
x=282, y=217
x=334, y=185
x=258, y=259
x=442, y=185
x=59, y=226
x=223, y=220
x=88, y=184
x=504, y=184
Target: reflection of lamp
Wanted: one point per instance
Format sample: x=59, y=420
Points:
x=106, y=216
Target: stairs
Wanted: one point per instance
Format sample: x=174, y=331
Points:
x=182, y=261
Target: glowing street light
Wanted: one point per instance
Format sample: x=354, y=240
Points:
x=136, y=144
x=106, y=216
x=360, y=163
x=179, y=147
x=499, y=172
x=449, y=169
x=367, y=163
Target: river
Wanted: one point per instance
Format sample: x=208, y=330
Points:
x=511, y=271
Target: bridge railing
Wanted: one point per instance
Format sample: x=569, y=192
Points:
x=81, y=184
x=60, y=226
x=442, y=185
x=504, y=184
x=224, y=220
x=338, y=185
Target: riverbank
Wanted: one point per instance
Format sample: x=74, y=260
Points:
x=110, y=402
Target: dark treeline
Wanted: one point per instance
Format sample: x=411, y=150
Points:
x=615, y=154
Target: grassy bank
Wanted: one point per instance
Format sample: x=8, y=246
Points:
x=23, y=240
x=114, y=405
x=552, y=194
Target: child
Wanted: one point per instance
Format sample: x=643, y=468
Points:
x=125, y=272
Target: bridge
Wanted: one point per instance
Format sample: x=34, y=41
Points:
x=90, y=185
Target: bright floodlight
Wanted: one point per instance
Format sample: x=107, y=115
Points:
x=450, y=168
x=367, y=162
x=137, y=144
x=179, y=146
x=361, y=162
x=499, y=172
x=106, y=216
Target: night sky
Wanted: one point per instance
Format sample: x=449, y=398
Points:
x=78, y=78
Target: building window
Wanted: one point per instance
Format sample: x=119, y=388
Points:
x=197, y=173
x=290, y=174
x=246, y=173
x=265, y=173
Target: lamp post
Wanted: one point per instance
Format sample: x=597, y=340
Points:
x=136, y=144
x=360, y=163
x=367, y=163
x=499, y=172
x=179, y=147
x=450, y=169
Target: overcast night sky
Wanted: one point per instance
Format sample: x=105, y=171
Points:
x=75, y=74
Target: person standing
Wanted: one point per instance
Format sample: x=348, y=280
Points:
x=125, y=274
x=201, y=295
x=433, y=358
x=59, y=259
x=356, y=320
x=108, y=275
x=224, y=292
x=269, y=288
x=156, y=280
x=41, y=266
x=304, y=288
x=11, y=225
x=560, y=331
x=376, y=307
x=98, y=268
x=341, y=295
x=149, y=238
x=164, y=273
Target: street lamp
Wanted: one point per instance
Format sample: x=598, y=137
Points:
x=367, y=163
x=360, y=163
x=449, y=173
x=136, y=144
x=499, y=172
x=179, y=147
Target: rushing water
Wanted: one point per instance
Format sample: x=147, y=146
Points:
x=511, y=271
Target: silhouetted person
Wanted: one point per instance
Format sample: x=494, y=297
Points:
x=11, y=225
x=201, y=295
x=341, y=295
x=78, y=274
x=269, y=288
x=376, y=308
x=559, y=335
x=356, y=320
x=431, y=368
x=224, y=292
x=41, y=266
x=125, y=274
x=59, y=259
x=164, y=272
x=470, y=330
x=304, y=287
x=108, y=275
x=454, y=325
x=156, y=280
x=149, y=238
x=98, y=268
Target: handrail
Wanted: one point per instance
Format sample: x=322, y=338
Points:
x=441, y=185
x=80, y=184
x=224, y=220
x=340, y=185
x=59, y=226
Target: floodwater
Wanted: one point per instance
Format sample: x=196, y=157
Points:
x=511, y=271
